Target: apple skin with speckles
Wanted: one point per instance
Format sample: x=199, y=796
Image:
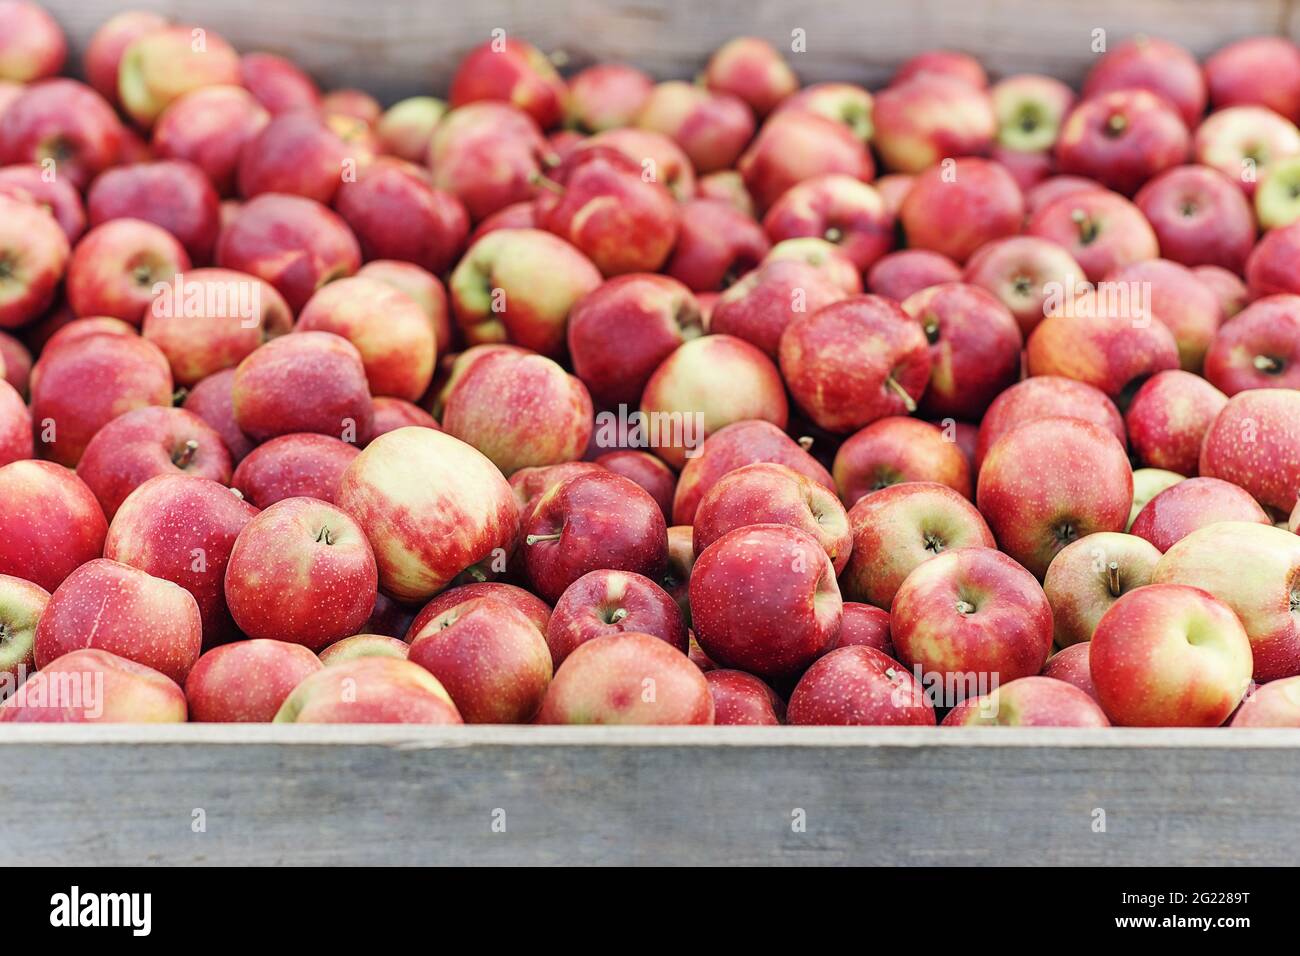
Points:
x=114, y=607
x=741, y=699
x=1254, y=442
x=859, y=686
x=1071, y=664
x=131, y=693
x=955, y=208
x=1276, y=704
x=1168, y=418
x=1179, y=510
x=895, y=450
x=866, y=625
x=365, y=645
x=1081, y=585
x=1259, y=347
x=763, y=303
x=1050, y=482
x=608, y=602
x=246, y=681
x=1029, y=702
x=51, y=523
x=716, y=245
x=1046, y=396
x=300, y=465
x=839, y=208
x=369, y=690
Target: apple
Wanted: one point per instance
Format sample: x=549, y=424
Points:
x=81, y=385
x=491, y=659
x=431, y=506
x=1046, y=396
x=1071, y=664
x=32, y=46
x=1122, y=139
x=212, y=400
x=845, y=103
x=22, y=604
x=836, y=207
x=147, y=442
x=16, y=427
x=123, y=610
x=606, y=96
x=1258, y=347
x=302, y=571
x=422, y=286
x=159, y=66
x=970, y=619
x=600, y=201
x=488, y=156
x=865, y=625
x=893, y=189
x=1030, y=109
x=859, y=686
x=246, y=681
x=1159, y=66
x=1194, y=503
x=520, y=411
x=116, y=269
x=1171, y=293
x=95, y=686
x=406, y=128
x=769, y=493
x=513, y=71
x=34, y=254
x=793, y=146
x=735, y=446
x=529, y=484
x=1029, y=702
x=955, y=208
x=726, y=186
x=103, y=54
x=1268, y=270
x=296, y=153
x=648, y=471
x=1088, y=575
x=900, y=527
x=896, y=450
x=855, y=361
x=278, y=83
x=1106, y=338
x=527, y=603
x=291, y=466
x=1254, y=443
x=906, y=272
x=1100, y=229
x=1276, y=704
x=751, y=69
x=683, y=388
x=63, y=122
x=57, y=196
x=51, y=524
x=210, y=128
x=364, y=645
x=659, y=158
x=1020, y=271
x=304, y=382
x=764, y=600
x=396, y=214
x=609, y=602
x=16, y=362
x=207, y=320
x=741, y=699
x=590, y=522
x=519, y=285
x=1199, y=217
x=945, y=63
x=1244, y=143
x=711, y=128
x=929, y=118
x=369, y=690
x=716, y=245
x=394, y=413
x=1169, y=655
x=1147, y=483
x=627, y=678
x=1168, y=418
x=1056, y=186
x=1080, y=482
x=975, y=346
x=1261, y=70
x=760, y=307
x=826, y=257
x=130, y=192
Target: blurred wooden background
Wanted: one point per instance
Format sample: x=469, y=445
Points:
x=395, y=48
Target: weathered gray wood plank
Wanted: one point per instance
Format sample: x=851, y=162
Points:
x=396, y=47
x=409, y=795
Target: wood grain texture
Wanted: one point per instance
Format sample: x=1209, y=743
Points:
x=410, y=795
x=396, y=48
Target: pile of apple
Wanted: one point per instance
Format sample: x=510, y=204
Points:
x=607, y=400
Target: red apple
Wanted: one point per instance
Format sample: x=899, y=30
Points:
x=1101, y=230
x=1244, y=143
x=606, y=96
x=659, y=158
x=159, y=66
x=32, y=46
x=33, y=256
x=865, y=625
x=64, y=123
x=711, y=128
x=422, y=286
x=1070, y=664
x=741, y=699
x=609, y=602
x=794, y=146
x=528, y=604
x=896, y=450
x=22, y=604
x=247, y=681
x=292, y=466
x=1020, y=271
x=1263, y=70
x=855, y=361
x=131, y=192
x=394, y=413
x=103, y=53
x=946, y=63
x=1257, y=348
x=305, y=382
x=487, y=155
x=954, y=208
x=1122, y=139
x=824, y=256
x=16, y=427
x=1199, y=217
x=369, y=690
x=1149, y=63
x=294, y=243
x=1255, y=443
x=901, y=274
x=857, y=686
x=751, y=69
x=16, y=362
x=716, y=245
x=1091, y=574
x=1276, y=704
x=1169, y=656
x=760, y=307
x=94, y=686
x=364, y=645
x=838, y=208
x=117, y=608
x=1195, y=503
x=57, y=196
x=764, y=599
x=51, y=523
x=296, y=153
x=1079, y=482
x=210, y=127
x=1168, y=418
x=513, y=71
x=212, y=400
x=627, y=678
x=1046, y=396
x=1171, y=294
x=1029, y=702
x=899, y=528
x=659, y=481
x=529, y=484
x=117, y=267
x=843, y=103
x=929, y=118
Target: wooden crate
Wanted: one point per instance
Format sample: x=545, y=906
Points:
x=417, y=795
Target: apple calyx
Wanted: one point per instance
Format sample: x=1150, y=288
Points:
x=965, y=607
x=901, y=392
x=185, y=456
x=1065, y=533
x=535, y=538
x=616, y=616
x=931, y=328
x=1268, y=364
x=1116, y=123
x=325, y=535
x=1088, y=230
x=932, y=543
x=1112, y=579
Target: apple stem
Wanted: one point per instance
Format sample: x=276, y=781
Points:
x=1267, y=364
x=185, y=457
x=908, y=403
x=1087, y=228
x=965, y=607
x=1112, y=579
x=179, y=396
x=324, y=535
x=537, y=179
x=534, y=538
x=237, y=493
x=1116, y=123
x=475, y=572
x=805, y=442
